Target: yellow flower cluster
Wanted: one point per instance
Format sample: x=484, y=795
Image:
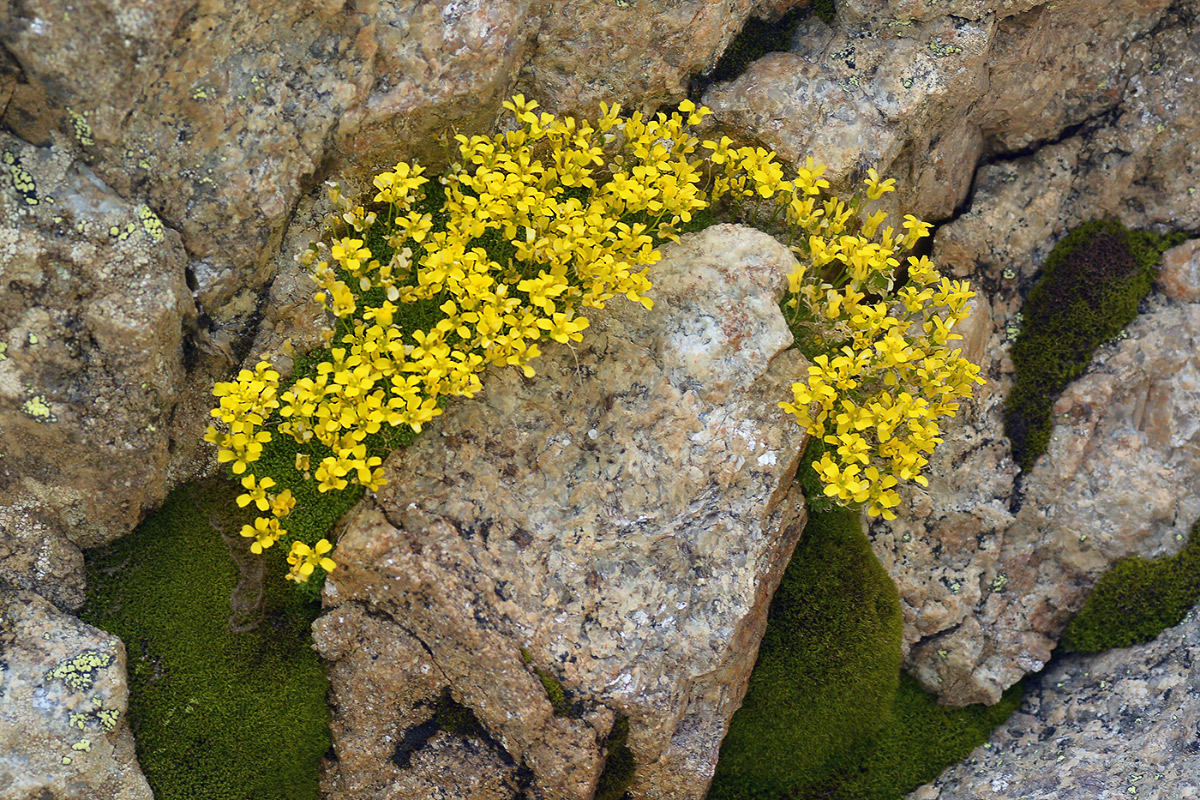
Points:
x=525, y=229
x=883, y=373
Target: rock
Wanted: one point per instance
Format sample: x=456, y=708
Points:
x=921, y=90
x=1179, y=277
x=989, y=569
x=615, y=527
x=990, y=572
x=64, y=733
x=93, y=307
x=1119, y=724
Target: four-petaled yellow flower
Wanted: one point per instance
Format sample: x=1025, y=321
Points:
x=304, y=559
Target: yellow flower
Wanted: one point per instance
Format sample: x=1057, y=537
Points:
x=304, y=560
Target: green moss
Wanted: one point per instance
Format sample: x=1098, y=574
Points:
x=1089, y=290
x=455, y=718
x=828, y=715
x=217, y=715
x=918, y=742
x=1137, y=599
x=826, y=10
x=828, y=666
x=619, y=767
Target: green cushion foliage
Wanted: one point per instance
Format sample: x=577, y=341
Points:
x=919, y=741
x=828, y=666
x=828, y=715
x=216, y=715
x=1136, y=600
x=1089, y=290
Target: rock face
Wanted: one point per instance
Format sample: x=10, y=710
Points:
x=991, y=568
x=615, y=526
x=63, y=727
x=204, y=125
x=93, y=306
x=1120, y=724
x=921, y=90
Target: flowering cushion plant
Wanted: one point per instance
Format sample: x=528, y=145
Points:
x=433, y=281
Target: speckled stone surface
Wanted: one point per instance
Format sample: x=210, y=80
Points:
x=1120, y=724
x=989, y=572
x=63, y=727
x=93, y=306
x=921, y=90
x=624, y=517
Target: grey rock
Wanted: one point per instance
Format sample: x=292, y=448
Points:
x=93, y=307
x=623, y=518
x=64, y=733
x=1119, y=724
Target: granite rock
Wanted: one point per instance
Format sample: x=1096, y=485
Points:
x=1119, y=724
x=922, y=90
x=93, y=309
x=64, y=733
x=615, y=525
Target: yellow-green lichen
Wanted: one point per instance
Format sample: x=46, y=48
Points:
x=84, y=745
x=3, y=351
x=83, y=130
x=79, y=673
x=151, y=223
x=20, y=178
x=39, y=408
x=941, y=50
x=32, y=338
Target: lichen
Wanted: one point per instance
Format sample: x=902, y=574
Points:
x=79, y=672
x=20, y=178
x=38, y=407
x=151, y=223
x=81, y=128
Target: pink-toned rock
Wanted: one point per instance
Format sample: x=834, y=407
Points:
x=617, y=523
x=1179, y=277
x=921, y=90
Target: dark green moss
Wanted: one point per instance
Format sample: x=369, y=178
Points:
x=555, y=693
x=826, y=10
x=1137, y=599
x=455, y=718
x=828, y=666
x=619, y=767
x=919, y=741
x=1089, y=290
x=216, y=714
x=828, y=716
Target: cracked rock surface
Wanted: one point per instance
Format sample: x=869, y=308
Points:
x=64, y=733
x=991, y=569
x=623, y=518
x=1118, y=724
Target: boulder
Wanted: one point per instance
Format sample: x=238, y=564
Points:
x=1119, y=724
x=598, y=542
x=991, y=564
x=921, y=90
x=93, y=311
x=64, y=732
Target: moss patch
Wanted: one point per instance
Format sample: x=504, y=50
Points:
x=619, y=766
x=1136, y=600
x=828, y=716
x=1089, y=290
x=828, y=666
x=217, y=715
